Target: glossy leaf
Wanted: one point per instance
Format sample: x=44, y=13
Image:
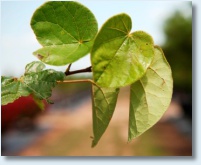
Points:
x=150, y=96
x=104, y=102
x=36, y=81
x=119, y=57
x=65, y=29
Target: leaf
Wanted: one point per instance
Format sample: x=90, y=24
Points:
x=12, y=89
x=150, y=96
x=103, y=102
x=36, y=81
x=41, y=83
x=39, y=103
x=34, y=66
x=65, y=29
x=119, y=57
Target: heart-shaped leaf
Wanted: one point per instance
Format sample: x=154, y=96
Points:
x=119, y=57
x=104, y=102
x=150, y=96
x=65, y=29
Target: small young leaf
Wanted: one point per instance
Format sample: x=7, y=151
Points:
x=41, y=83
x=39, y=102
x=35, y=81
x=65, y=29
x=12, y=89
x=103, y=102
x=34, y=66
x=150, y=96
x=120, y=58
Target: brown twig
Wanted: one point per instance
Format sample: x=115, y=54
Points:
x=68, y=72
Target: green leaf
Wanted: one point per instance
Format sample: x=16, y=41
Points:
x=103, y=102
x=12, y=89
x=119, y=57
x=34, y=66
x=35, y=81
x=39, y=102
x=41, y=83
x=150, y=96
x=65, y=29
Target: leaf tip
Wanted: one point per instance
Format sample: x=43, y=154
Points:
x=49, y=101
x=94, y=143
x=129, y=139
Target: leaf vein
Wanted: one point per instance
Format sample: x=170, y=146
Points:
x=110, y=60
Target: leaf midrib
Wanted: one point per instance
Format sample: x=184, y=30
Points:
x=145, y=99
x=111, y=59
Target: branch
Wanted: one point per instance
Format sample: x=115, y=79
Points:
x=68, y=69
x=78, y=81
x=68, y=72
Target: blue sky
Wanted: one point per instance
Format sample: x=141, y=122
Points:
x=18, y=40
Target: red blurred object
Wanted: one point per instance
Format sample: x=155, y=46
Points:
x=22, y=109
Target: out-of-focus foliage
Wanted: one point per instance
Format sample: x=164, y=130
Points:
x=178, y=48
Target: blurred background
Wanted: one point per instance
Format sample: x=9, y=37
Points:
x=64, y=128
